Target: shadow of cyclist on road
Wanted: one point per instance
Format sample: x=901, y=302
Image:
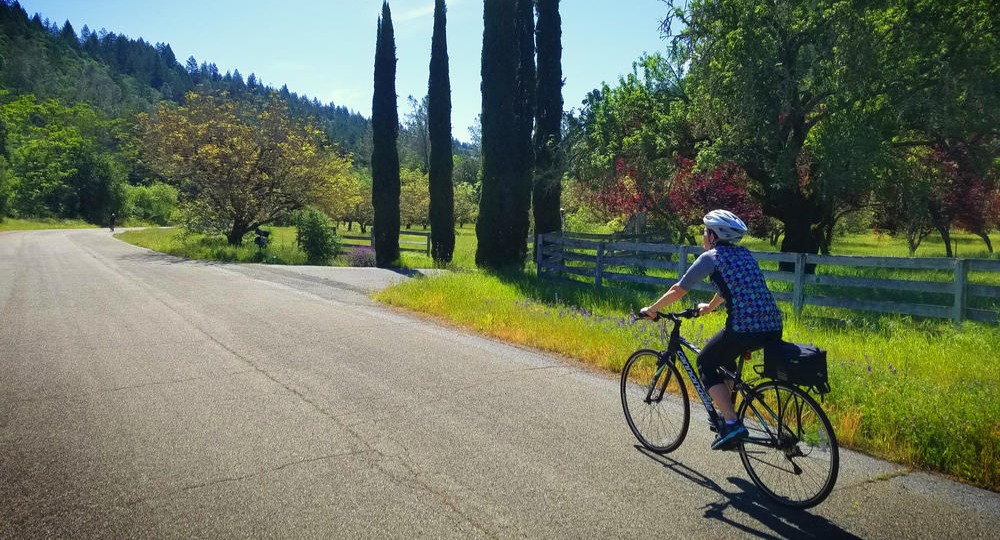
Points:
x=775, y=520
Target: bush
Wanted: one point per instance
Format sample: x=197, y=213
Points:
x=155, y=203
x=316, y=238
x=361, y=256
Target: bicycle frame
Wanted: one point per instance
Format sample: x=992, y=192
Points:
x=675, y=350
x=789, y=448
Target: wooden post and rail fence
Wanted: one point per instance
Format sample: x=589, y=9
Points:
x=423, y=244
x=605, y=260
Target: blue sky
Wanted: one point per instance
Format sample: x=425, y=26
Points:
x=325, y=48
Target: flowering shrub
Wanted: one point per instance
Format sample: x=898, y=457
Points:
x=361, y=256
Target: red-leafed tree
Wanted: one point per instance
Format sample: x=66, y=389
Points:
x=623, y=142
x=693, y=193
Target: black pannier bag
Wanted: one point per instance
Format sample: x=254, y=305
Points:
x=802, y=365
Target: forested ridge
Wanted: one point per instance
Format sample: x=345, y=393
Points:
x=119, y=75
x=70, y=107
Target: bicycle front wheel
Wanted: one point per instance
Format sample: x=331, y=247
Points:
x=791, y=452
x=655, y=401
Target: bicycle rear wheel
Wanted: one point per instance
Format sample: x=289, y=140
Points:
x=791, y=452
x=657, y=419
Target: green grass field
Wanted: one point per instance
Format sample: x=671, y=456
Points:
x=11, y=224
x=282, y=248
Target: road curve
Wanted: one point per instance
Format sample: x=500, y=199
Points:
x=145, y=396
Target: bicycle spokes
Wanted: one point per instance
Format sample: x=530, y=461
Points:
x=791, y=453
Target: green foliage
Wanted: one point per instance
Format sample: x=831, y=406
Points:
x=414, y=198
x=155, y=203
x=385, y=156
x=466, y=203
x=240, y=164
x=121, y=76
x=57, y=167
x=784, y=89
x=15, y=224
x=442, y=195
x=282, y=248
x=508, y=87
x=316, y=237
x=5, y=191
x=547, y=189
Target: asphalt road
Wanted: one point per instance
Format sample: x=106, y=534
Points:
x=143, y=396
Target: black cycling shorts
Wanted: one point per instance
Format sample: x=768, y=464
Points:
x=724, y=348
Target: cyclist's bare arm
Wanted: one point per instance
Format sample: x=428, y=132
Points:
x=716, y=301
x=674, y=294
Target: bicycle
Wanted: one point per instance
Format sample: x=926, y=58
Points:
x=791, y=452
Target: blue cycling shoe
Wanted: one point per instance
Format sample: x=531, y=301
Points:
x=729, y=435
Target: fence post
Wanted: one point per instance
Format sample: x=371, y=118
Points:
x=799, y=288
x=961, y=278
x=538, y=254
x=682, y=261
x=598, y=270
x=428, y=245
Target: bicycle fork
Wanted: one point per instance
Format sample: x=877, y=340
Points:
x=661, y=366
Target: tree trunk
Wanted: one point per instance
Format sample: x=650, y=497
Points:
x=236, y=234
x=799, y=238
x=986, y=238
x=946, y=237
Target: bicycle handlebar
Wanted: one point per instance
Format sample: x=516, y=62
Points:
x=689, y=313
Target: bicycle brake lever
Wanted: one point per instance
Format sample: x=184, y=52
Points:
x=691, y=313
x=644, y=317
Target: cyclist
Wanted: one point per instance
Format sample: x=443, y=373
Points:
x=753, y=317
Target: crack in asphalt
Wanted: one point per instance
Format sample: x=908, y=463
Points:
x=218, y=481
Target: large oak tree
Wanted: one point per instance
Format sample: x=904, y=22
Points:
x=787, y=91
x=239, y=165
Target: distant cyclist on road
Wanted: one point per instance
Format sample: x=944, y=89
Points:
x=753, y=317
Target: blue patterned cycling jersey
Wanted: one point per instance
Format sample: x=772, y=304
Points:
x=737, y=276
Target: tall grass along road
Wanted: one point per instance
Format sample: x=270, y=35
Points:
x=144, y=396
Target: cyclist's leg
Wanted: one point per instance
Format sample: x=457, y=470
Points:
x=721, y=350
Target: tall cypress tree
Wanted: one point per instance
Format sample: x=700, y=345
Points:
x=548, y=116
x=442, y=203
x=525, y=112
x=507, y=87
x=385, y=155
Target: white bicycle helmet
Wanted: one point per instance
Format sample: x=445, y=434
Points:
x=725, y=224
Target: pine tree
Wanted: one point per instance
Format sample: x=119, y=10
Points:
x=548, y=116
x=385, y=155
x=442, y=200
x=502, y=227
